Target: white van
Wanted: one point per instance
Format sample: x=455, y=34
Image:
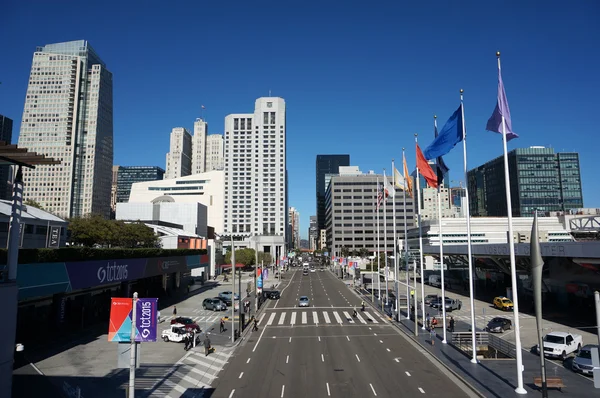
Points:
x=435, y=280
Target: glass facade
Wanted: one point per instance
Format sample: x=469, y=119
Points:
x=326, y=164
x=539, y=179
x=127, y=175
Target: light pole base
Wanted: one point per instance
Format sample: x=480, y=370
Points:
x=474, y=360
x=520, y=390
x=444, y=341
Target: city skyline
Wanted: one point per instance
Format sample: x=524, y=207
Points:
x=541, y=115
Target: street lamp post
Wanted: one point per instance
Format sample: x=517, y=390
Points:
x=232, y=290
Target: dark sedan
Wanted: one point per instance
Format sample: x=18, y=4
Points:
x=187, y=322
x=498, y=325
x=272, y=294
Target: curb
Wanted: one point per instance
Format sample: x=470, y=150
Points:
x=426, y=351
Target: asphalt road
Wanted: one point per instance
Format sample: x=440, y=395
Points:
x=322, y=351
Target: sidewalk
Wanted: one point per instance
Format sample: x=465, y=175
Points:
x=490, y=377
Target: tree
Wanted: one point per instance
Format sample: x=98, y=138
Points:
x=264, y=258
x=344, y=251
x=244, y=256
x=363, y=252
x=33, y=203
x=96, y=230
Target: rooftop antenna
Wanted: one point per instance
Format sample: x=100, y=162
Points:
x=269, y=93
x=202, y=108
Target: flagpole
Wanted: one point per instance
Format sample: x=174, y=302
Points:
x=378, y=247
x=511, y=247
x=396, y=273
x=387, y=289
x=406, y=251
x=441, y=242
x=468, y=217
x=420, y=244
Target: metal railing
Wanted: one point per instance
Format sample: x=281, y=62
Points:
x=505, y=347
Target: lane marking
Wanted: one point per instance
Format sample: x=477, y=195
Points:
x=372, y=389
x=337, y=317
x=241, y=374
x=281, y=318
x=375, y=334
x=232, y=391
x=282, y=390
x=422, y=391
x=381, y=341
x=371, y=318
x=248, y=361
x=259, y=338
x=271, y=318
x=293, y=320
x=287, y=359
x=319, y=338
x=261, y=317
x=397, y=360
x=348, y=338
x=361, y=318
x=348, y=317
x=316, y=318
x=326, y=316
x=328, y=392
x=388, y=350
x=408, y=374
x=322, y=358
x=290, y=340
x=357, y=357
x=304, y=318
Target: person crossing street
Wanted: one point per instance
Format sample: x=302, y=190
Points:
x=206, y=346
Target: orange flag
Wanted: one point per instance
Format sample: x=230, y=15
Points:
x=407, y=177
x=425, y=169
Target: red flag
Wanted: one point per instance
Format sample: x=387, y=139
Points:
x=425, y=169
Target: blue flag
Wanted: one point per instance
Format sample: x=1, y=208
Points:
x=451, y=134
x=442, y=169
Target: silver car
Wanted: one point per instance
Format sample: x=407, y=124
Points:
x=303, y=302
x=583, y=361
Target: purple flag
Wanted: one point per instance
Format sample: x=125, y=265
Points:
x=495, y=122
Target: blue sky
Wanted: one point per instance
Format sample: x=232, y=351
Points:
x=358, y=77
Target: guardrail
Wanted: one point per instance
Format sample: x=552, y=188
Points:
x=505, y=347
x=463, y=340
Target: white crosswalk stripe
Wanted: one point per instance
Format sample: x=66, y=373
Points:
x=326, y=316
x=281, y=318
x=293, y=320
x=304, y=320
x=315, y=317
x=360, y=318
x=271, y=318
x=261, y=317
x=337, y=317
x=371, y=318
x=348, y=317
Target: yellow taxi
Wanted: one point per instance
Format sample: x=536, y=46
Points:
x=503, y=303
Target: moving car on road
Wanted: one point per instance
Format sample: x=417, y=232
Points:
x=303, y=302
x=272, y=294
x=561, y=344
x=214, y=304
x=313, y=270
x=503, y=303
x=176, y=333
x=188, y=323
x=583, y=361
x=430, y=298
x=498, y=325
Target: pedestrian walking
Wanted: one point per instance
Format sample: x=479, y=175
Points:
x=222, y=326
x=174, y=310
x=432, y=334
x=206, y=346
x=428, y=321
x=255, y=326
x=452, y=324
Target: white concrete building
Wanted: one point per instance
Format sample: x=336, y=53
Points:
x=190, y=217
x=429, y=205
x=323, y=239
x=294, y=222
x=68, y=115
x=214, y=152
x=256, y=175
x=206, y=188
x=199, y=147
x=179, y=157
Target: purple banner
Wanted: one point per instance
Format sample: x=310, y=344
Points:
x=85, y=274
x=146, y=319
x=265, y=273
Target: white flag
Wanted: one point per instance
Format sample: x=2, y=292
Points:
x=389, y=189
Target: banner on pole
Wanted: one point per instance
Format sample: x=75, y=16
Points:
x=121, y=311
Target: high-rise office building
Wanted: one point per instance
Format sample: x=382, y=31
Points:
x=113, y=191
x=179, y=158
x=132, y=174
x=326, y=165
x=214, y=153
x=199, y=146
x=294, y=223
x=540, y=179
x=313, y=234
x=255, y=173
x=68, y=116
x=352, y=219
x=6, y=126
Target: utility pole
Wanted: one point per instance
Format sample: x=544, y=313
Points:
x=132, y=349
x=255, y=285
x=232, y=291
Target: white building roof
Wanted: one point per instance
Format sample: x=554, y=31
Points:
x=29, y=212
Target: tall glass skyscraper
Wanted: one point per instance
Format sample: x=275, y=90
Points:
x=68, y=115
x=540, y=179
x=127, y=175
x=326, y=164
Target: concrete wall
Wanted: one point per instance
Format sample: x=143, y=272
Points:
x=8, y=313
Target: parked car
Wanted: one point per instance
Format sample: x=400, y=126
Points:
x=498, y=325
x=313, y=270
x=272, y=294
x=303, y=302
x=583, y=361
x=430, y=297
x=215, y=304
x=561, y=344
x=453, y=304
x=305, y=272
x=227, y=296
x=189, y=323
x=503, y=303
